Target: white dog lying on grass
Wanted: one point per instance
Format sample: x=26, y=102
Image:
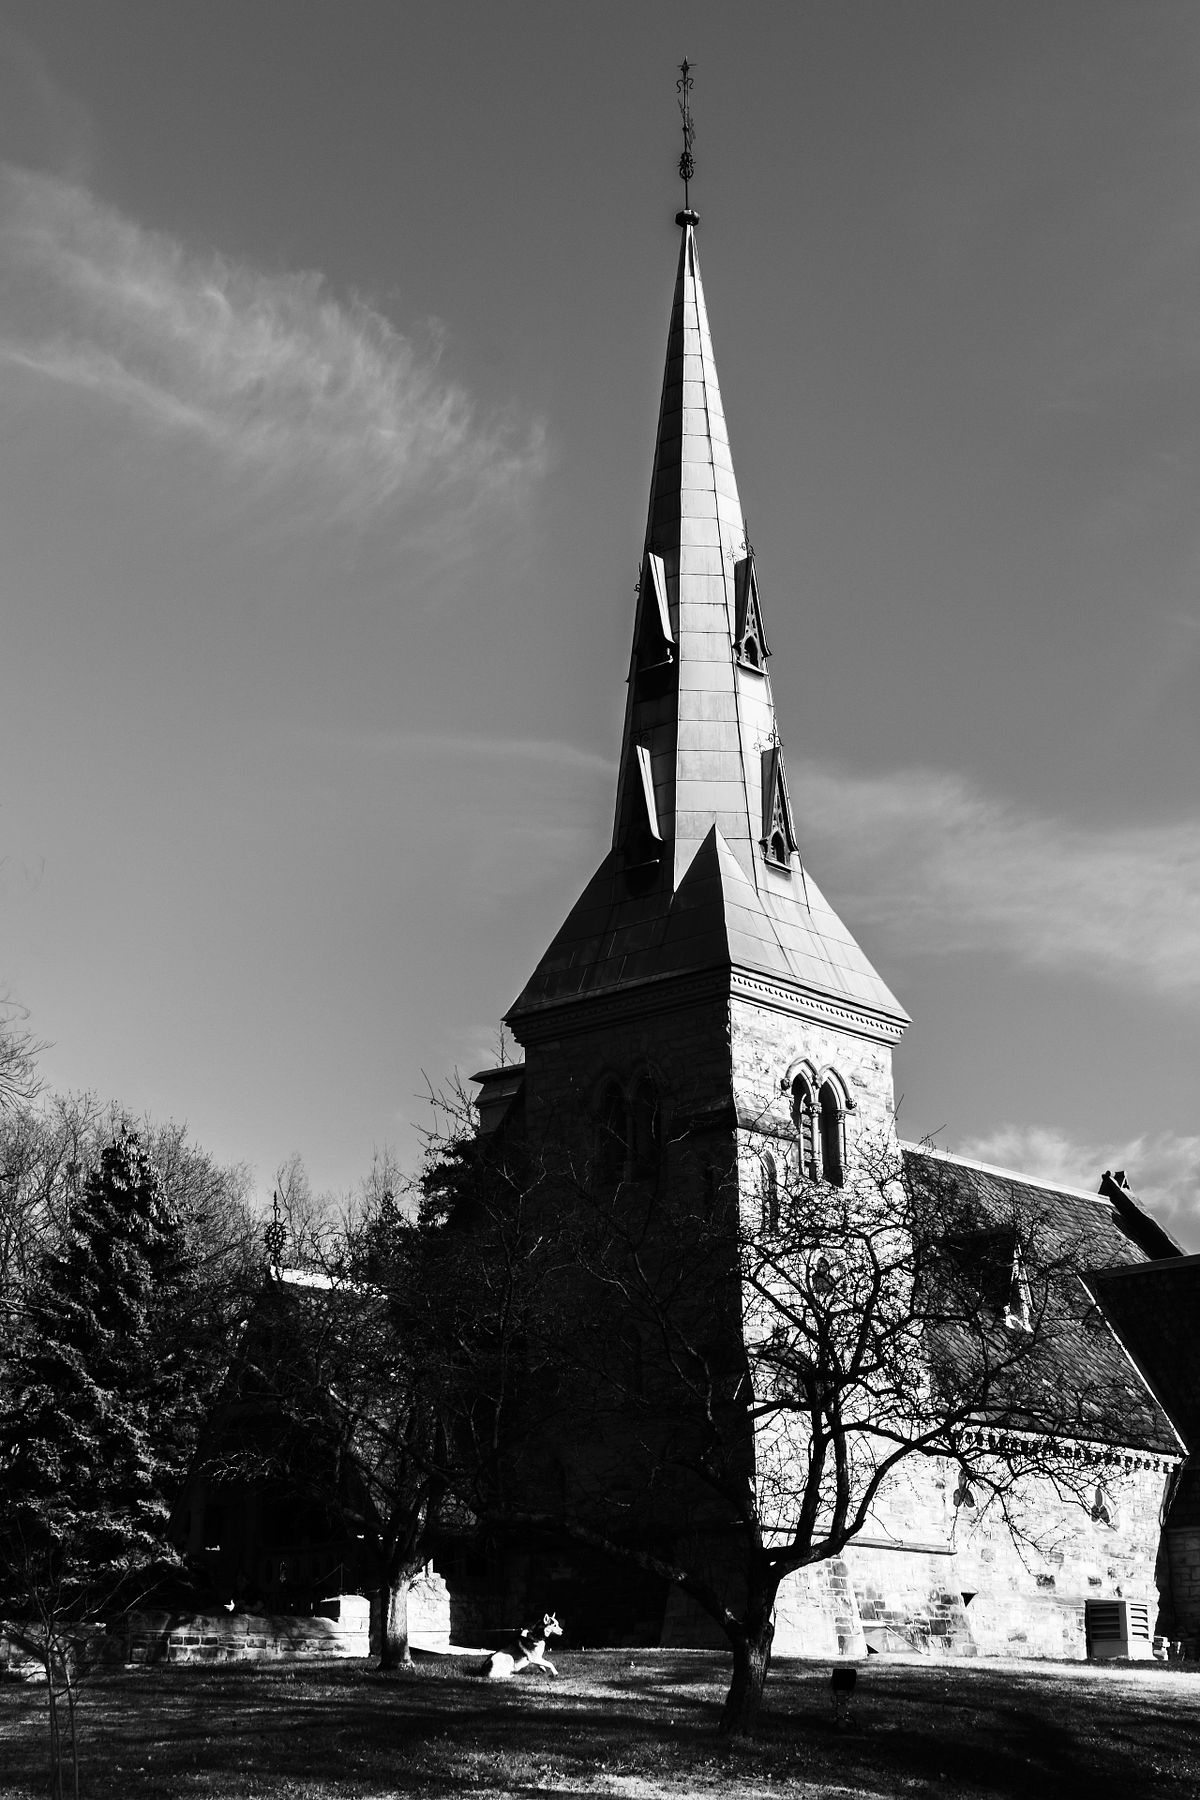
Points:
x=528, y=1652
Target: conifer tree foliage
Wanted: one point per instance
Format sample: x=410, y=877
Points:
x=336, y=1398
x=102, y=1389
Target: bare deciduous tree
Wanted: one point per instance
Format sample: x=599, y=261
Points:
x=719, y=1389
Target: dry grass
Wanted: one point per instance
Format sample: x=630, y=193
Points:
x=636, y=1724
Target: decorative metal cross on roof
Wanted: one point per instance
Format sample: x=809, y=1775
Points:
x=687, y=166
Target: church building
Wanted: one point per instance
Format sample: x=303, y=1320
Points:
x=703, y=994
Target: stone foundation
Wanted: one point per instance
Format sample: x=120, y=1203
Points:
x=947, y=1580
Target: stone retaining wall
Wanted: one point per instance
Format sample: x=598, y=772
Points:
x=342, y=1630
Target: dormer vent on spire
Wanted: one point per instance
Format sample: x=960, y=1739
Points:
x=750, y=640
x=779, y=833
x=646, y=773
x=703, y=873
x=654, y=640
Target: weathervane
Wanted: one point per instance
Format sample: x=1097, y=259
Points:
x=687, y=166
x=275, y=1235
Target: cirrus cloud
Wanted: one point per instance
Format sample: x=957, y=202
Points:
x=936, y=865
x=271, y=371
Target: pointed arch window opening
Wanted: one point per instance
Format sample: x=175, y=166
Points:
x=646, y=1135
x=770, y=1193
x=819, y=1118
x=833, y=1158
x=804, y=1117
x=779, y=835
x=612, y=1134
x=750, y=639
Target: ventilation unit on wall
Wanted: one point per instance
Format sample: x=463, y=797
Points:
x=1118, y=1628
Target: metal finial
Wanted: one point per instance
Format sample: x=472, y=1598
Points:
x=275, y=1235
x=687, y=166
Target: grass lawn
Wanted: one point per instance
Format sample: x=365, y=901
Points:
x=634, y=1723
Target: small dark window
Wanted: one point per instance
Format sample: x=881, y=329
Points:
x=612, y=1133
x=831, y=1136
x=804, y=1116
x=647, y=1130
x=770, y=1193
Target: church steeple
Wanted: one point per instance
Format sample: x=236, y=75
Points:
x=699, y=702
x=705, y=871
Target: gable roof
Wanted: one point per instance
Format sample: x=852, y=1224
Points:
x=1088, y=1386
x=1154, y=1307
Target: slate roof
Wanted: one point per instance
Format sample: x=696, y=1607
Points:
x=1087, y=1383
x=701, y=894
x=717, y=919
x=1155, y=1309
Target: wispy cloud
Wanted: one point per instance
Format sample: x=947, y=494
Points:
x=499, y=754
x=1163, y=1169
x=936, y=865
x=271, y=371
x=41, y=122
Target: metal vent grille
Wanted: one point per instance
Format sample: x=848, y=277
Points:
x=1117, y=1621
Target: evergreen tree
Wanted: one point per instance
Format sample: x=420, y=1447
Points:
x=92, y=1438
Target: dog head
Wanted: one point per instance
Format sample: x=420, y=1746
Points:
x=550, y=1626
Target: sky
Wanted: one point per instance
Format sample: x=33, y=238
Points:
x=331, y=338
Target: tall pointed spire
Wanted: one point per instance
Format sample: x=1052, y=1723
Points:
x=707, y=723
x=704, y=870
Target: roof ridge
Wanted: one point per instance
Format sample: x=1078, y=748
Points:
x=1041, y=1181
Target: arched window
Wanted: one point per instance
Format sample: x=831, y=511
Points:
x=831, y=1136
x=647, y=1130
x=770, y=1193
x=804, y=1118
x=612, y=1133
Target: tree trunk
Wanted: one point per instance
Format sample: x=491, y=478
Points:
x=394, y=1651
x=751, y=1660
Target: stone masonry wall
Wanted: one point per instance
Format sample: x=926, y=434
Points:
x=958, y=1581
x=766, y=1044
x=344, y=1630
x=685, y=1047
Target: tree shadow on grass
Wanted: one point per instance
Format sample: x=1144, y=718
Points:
x=350, y=1730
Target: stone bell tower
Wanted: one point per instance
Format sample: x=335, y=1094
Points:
x=702, y=989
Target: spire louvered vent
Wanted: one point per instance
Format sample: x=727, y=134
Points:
x=750, y=642
x=779, y=833
x=654, y=640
